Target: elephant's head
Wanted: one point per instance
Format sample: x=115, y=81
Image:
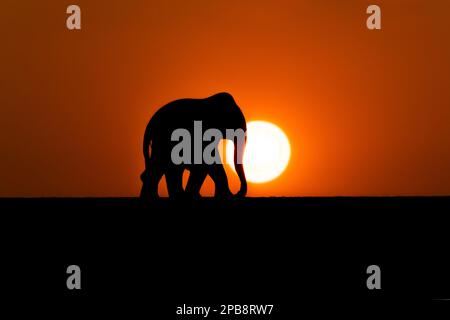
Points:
x=233, y=118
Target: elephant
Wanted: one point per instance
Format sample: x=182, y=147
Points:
x=219, y=112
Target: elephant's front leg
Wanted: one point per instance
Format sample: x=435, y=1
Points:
x=219, y=176
x=196, y=178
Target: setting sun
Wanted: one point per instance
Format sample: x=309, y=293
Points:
x=267, y=152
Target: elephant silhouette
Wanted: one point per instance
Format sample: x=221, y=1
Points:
x=219, y=112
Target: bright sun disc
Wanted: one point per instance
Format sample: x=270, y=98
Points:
x=266, y=154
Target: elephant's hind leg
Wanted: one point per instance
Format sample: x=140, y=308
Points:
x=150, y=179
x=174, y=180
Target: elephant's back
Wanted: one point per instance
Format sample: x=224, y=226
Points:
x=176, y=114
x=182, y=110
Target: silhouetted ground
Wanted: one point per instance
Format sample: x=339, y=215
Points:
x=297, y=253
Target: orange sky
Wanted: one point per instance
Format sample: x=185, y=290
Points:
x=366, y=112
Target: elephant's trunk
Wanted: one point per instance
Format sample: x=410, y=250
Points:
x=238, y=165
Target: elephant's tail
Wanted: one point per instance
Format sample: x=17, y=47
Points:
x=148, y=137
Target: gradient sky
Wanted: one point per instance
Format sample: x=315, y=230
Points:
x=366, y=112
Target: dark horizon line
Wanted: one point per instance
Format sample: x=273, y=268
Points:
x=212, y=198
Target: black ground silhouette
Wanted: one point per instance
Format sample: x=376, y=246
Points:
x=296, y=253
